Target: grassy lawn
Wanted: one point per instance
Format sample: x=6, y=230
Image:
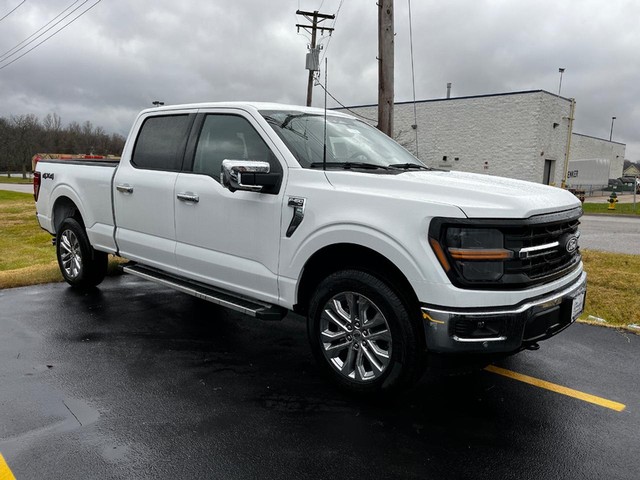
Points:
x=18, y=179
x=28, y=258
x=612, y=287
x=621, y=208
x=27, y=255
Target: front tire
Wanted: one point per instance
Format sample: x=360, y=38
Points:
x=80, y=265
x=363, y=334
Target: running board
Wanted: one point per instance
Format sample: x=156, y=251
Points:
x=260, y=310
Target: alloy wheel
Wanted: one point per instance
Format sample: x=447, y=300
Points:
x=70, y=254
x=355, y=337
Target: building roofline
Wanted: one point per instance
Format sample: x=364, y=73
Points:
x=598, y=138
x=488, y=95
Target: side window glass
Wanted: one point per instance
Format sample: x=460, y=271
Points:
x=160, y=143
x=229, y=137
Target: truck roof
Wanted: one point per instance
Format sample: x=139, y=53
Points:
x=248, y=106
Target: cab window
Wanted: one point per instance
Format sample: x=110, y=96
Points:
x=229, y=137
x=161, y=142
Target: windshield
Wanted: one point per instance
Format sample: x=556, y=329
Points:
x=350, y=143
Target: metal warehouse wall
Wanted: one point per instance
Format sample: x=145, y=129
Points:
x=511, y=135
x=584, y=147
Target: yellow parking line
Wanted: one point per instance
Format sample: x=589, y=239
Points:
x=603, y=402
x=5, y=471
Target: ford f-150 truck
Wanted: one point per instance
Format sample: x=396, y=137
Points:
x=267, y=208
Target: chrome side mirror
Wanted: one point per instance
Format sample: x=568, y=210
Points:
x=244, y=175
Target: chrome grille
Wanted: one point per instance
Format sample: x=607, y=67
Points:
x=541, y=252
x=544, y=247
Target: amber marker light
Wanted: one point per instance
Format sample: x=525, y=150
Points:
x=442, y=258
x=426, y=316
x=480, y=254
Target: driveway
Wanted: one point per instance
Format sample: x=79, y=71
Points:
x=133, y=380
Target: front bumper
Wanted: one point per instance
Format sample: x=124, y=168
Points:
x=503, y=329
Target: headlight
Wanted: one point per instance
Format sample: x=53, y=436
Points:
x=476, y=254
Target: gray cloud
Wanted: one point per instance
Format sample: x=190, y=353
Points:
x=122, y=55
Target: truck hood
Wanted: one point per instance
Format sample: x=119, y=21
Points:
x=478, y=196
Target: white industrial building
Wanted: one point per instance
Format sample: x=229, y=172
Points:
x=523, y=135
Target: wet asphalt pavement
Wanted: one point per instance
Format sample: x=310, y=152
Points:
x=137, y=381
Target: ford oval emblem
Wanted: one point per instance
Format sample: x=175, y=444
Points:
x=572, y=244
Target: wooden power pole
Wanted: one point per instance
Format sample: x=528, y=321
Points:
x=385, y=66
x=313, y=64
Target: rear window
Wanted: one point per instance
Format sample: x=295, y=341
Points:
x=161, y=142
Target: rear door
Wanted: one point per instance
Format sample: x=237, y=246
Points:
x=144, y=189
x=230, y=240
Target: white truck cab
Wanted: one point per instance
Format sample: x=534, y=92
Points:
x=267, y=208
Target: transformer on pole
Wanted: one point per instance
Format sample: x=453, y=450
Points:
x=313, y=57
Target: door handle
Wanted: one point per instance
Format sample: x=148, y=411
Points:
x=124, y=188
x=188, y=197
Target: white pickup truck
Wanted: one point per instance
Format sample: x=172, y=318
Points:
x=267, y=208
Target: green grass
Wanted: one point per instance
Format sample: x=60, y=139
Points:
x=612, y=287
x=621, y=208
x=23, y=243
x=18, y=179
x=28, y=258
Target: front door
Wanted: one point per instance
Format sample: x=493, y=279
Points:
x=229, y=240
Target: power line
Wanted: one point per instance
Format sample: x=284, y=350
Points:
x=343, y=106
x=50, y=36
x=15, y=48
x=19, y=5
x=335, y=20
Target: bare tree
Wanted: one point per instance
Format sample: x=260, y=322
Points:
x=52, y=125
x=5, y=150
x=22, y=136
x=26, y=128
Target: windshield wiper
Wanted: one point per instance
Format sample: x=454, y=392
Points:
x=349, y=165
x=277, y=123
x=291, y=116
x=409, y=166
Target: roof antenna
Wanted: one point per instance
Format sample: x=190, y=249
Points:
x=324, y=146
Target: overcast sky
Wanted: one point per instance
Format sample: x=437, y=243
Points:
x=123, y=54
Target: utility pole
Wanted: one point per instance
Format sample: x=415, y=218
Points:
x=385, y=66
x=313, y=57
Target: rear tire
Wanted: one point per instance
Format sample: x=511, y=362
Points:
x=80, y=265
x=363, y=334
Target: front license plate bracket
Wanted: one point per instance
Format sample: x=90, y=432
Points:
x=577, y=305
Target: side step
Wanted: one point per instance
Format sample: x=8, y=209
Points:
x=254, y=308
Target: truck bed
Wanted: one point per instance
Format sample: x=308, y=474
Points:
x=86, y=183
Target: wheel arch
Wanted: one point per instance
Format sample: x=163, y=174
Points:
x=341, y=256
x=63, y=208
